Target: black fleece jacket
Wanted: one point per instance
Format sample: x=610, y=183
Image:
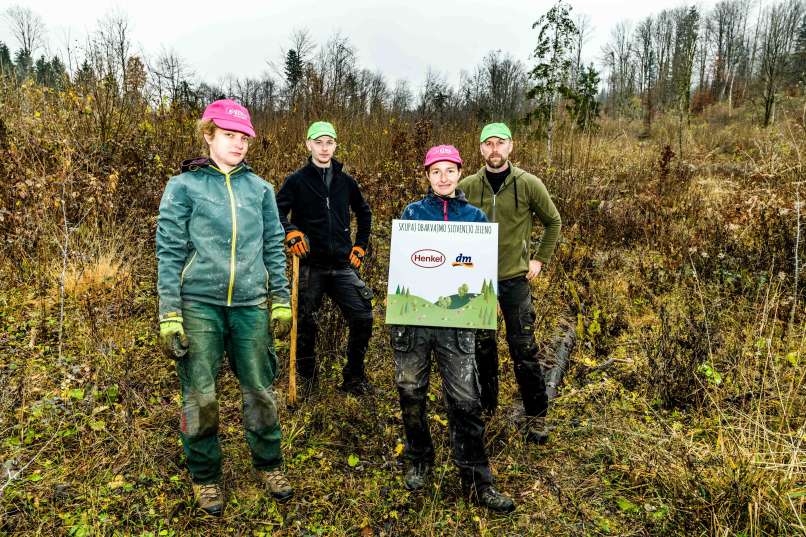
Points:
x=323, y=213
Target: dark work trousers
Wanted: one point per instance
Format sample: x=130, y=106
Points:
x=354, y=299
x=454, y=352
x=515, y=299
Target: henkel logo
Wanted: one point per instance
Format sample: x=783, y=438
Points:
x=428, y=258
x=237, y=113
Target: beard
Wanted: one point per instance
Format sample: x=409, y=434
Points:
x=495, y=161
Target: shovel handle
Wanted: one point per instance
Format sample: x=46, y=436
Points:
x=292, y=360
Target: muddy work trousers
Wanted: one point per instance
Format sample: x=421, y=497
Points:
x=453, y=350
x=515, y=299
x=243, y=333
x=354, y=299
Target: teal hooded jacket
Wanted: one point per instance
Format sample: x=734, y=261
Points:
x=219, y=239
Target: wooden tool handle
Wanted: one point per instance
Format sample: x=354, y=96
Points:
x=292, y=365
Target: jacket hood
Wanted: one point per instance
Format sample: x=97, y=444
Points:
x=199, y=163
x=433, y=197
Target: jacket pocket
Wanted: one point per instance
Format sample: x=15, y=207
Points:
x=401, y=337
x=364, y=291
x=186, y=270
x=527, y=316
x=466, y=340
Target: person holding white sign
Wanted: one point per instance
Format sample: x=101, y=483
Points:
x=454, y=350
x=512, y=198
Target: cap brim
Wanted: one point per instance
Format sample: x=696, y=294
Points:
x=442, y=159
x=320, y=134
x=234, y=126
x=499, y=135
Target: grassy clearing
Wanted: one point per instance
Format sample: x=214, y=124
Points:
x=682, y=414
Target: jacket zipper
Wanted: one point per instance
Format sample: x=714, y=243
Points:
x=487, y=183
x=329, y=222
x=234, y=212
x=184, y=270
x=445, y=210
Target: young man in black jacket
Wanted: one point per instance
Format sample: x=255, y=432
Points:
x=320, y=197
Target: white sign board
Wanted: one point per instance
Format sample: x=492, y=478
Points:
x=443, y=274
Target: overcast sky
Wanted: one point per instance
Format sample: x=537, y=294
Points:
x=401, y=38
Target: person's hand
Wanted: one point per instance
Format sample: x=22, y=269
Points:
x=357, y=256
x=173, y=340
x=535, y=267
x=297, y=243
x=281, y=320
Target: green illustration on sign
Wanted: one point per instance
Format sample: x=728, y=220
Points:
x=463, y=308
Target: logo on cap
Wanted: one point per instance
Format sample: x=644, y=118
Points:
x=235, y=112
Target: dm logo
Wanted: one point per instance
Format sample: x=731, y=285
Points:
x=463, y=261
x=428, y=258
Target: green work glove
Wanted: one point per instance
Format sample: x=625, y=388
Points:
x=173, y=340
x=281, y=320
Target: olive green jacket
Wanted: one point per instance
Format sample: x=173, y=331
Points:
x=521, y=196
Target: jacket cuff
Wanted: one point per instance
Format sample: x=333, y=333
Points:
x=171, y=316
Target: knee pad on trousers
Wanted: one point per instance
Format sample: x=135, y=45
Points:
x=200, y=414
x=259, y=409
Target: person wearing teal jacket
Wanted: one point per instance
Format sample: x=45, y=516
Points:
x=220, y=263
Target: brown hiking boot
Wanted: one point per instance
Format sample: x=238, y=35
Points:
x=495, y=501
x=210, y=498
x=276, y=483
x=536, y=430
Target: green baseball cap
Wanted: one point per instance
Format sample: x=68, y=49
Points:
x=495, y=129
x=321, y=128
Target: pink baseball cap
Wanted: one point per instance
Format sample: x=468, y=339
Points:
x=442, y=152
x=229, y=115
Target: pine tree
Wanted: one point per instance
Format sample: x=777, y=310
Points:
x=42, y=72
x=58, y=72
x=85, y=76
x=582, y=105
x=23, y=64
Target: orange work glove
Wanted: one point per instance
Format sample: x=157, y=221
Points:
x=297, y=243
x=357, y=256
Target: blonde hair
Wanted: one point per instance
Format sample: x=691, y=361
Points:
x=205, y=126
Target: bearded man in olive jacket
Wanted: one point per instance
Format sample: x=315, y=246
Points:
x=512, y=198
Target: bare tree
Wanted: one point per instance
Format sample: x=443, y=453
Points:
x=584, y=30
x=778, y=32
x=618, y=56
x=335, y=65
x=686, y=26
x=105, y=70
x=436, y=95
x=401, y=99
x=169, y=76
x=645, y=55
x=727, y=21
x=27, y=27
